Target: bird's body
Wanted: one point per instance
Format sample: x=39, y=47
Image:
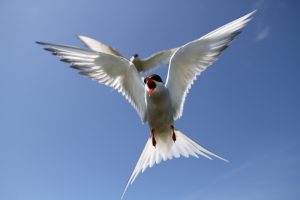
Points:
x=157, y=104
x=159, y=109
x=138, y=63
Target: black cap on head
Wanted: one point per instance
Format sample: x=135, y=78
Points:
x=156, y=78
x=135, y=55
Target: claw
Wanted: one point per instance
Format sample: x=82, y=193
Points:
x=153, y=138
x=173, y=135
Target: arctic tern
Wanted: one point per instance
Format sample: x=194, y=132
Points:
x=159, y=58
x=157, y=104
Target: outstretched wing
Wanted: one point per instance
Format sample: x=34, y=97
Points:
x=111, y=70
x=193, y=58
x=98, y=46
x=159, y=58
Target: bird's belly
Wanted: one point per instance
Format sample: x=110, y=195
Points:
x=159, y=119
x=159, y=114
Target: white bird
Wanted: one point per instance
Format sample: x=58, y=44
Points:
x=159, y=58
x=157, y=104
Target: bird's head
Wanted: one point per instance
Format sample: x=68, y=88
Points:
x=134, y=56
x=152, y=82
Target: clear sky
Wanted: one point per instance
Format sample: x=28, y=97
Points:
x=65, y=137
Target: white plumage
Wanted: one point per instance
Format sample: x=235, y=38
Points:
x=157, y=104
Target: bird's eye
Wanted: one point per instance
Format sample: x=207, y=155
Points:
x=145, y=80
x=156, y=78
x=135, y=55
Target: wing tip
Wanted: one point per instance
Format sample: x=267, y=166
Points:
x=40, y=43
x=85, y=40
x=80, y=36
x=49, y=49
x=65, y=60
x=253, y=12
x=248, y=17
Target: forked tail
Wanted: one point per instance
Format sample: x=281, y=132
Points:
x=167, y=149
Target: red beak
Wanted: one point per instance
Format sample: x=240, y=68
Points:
x=150, y=84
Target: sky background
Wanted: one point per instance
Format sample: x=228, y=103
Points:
x=65, y=137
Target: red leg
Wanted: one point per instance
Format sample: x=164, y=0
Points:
x=153, y=138
x=173, y=135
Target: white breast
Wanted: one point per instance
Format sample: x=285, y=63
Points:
x=159, y=109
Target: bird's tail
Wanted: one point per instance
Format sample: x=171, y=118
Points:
x=166, y=149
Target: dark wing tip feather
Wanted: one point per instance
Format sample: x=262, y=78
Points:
x=65, y=60
x=41, y=43
x=75, y=67
x=223, y=48
x=236, y=33
x=49, y=49
x=84, y=73
x=233, y=36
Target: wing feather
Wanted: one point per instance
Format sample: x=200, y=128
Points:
x=157, y=59
x=111, y=70
x=193, y=58
x=98, y=46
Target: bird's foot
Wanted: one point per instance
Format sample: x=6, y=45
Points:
x=173, y=134
x=153, y=138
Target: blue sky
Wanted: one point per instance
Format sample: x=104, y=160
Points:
x=65, y=137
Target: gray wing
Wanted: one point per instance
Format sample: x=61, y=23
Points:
x=193, y=58
x=157, y=59
x=113, y=71
x=98, y=46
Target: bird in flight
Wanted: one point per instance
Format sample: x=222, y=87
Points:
x=159, y=58
x=159, y=104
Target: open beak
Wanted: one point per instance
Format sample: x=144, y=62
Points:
x=150, y=84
